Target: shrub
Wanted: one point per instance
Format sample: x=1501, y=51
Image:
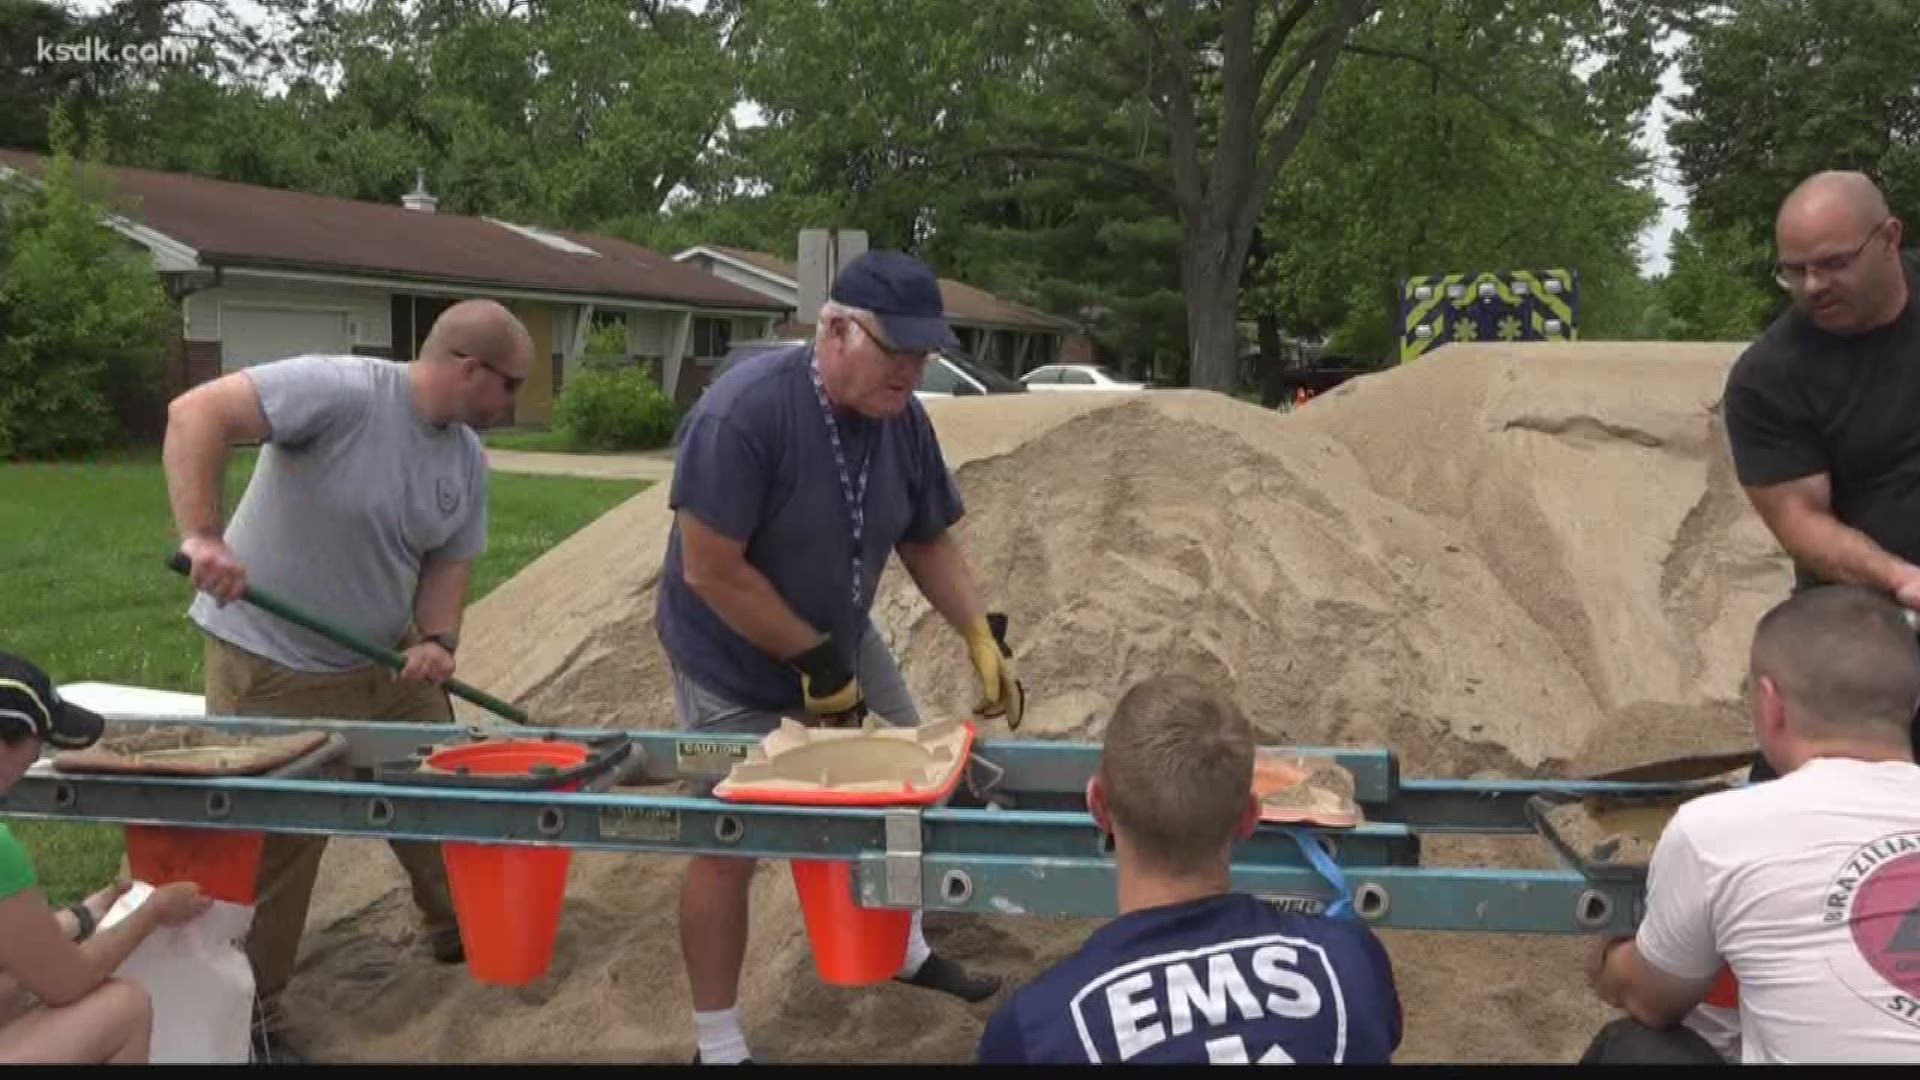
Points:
x=83, y=319
x=604, y=407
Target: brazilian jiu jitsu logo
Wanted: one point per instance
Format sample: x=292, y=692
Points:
x=1876, y=896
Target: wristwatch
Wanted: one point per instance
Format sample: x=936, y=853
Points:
x=84, y=922
x=448, y=641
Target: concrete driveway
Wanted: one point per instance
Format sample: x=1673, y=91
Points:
x=656, y=465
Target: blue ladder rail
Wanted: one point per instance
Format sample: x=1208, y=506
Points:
x=1015, y=838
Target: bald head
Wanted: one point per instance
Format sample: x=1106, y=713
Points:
x=472, y=365
x=484, y=330
x=1839, y=253
x=1845, y=662
x=1835, y=198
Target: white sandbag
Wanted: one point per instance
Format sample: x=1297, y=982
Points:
x=199, y=979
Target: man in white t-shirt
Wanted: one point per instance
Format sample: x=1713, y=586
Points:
x=1807, y=886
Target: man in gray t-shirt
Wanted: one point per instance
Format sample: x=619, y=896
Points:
x=366, y=509
x=355, y=496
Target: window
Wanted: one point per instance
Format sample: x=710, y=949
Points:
x=412, y=318
x=1046, y=376
x=711, y=337
x=1075, y=377
x=938, y=378
x=994, y=381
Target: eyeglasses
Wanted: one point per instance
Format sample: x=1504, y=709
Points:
x=913, y=356
x=1793, y=275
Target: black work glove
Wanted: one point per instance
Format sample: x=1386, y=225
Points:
x=827, y=688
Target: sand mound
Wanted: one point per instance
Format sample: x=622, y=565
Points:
x=1498, y=561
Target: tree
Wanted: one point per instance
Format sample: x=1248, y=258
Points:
x=1409, y=172
x=1235, y=87
x=84, y=319
x=1708, y=293
x=868, y=128
x=147, y=45
x=1238, y=84
x=569, y=113
x=1780, y=89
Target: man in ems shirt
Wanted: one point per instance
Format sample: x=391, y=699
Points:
x=1808, y=886
x=1191, y=972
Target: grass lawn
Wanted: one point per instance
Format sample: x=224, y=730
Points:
x=83, y=551
x=543, y=440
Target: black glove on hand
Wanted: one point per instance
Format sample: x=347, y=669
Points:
x=827, y=688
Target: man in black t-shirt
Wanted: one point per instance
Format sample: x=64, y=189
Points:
x=1823, y=410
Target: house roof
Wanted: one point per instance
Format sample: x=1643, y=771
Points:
x=245, y=225
x=964, y=304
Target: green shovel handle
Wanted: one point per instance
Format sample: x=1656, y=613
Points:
x=180, y=564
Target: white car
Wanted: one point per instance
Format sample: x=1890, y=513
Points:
x=949, y=372
x=1077, y=377
x=954, y=373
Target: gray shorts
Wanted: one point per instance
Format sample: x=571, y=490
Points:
x=699, y=709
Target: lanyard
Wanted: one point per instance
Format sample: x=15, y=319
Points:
x=855, y=495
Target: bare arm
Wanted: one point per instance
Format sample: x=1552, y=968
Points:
x=718, y=572
x=202, y=424
x=441, y=594
x=1800, y=514
x=437, y=602
x=1625, y=980
x=38, y=951
x=940, y=568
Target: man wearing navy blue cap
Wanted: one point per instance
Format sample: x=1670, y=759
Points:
x=800, y=472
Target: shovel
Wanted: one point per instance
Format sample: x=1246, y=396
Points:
x=180, y=564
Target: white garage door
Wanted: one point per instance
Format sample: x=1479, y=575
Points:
x=255, y=335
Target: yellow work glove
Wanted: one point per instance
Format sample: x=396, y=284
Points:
x=1000, y=691
x=827, y=688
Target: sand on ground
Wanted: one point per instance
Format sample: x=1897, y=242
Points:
x=1517, y=560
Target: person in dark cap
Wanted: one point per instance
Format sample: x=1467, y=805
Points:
x=800, y=472
x=83, y=1014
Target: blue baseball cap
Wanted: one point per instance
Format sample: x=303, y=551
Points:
x=902, y=293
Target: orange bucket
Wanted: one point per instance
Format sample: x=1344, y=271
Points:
x=508, y=896
x=225, y=863
x=852, y=945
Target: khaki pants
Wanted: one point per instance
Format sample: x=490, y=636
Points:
x=239, y=683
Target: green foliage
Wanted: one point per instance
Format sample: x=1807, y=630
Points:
x=83, y=321
x=606, y=342
x=561, y=112
x=607, y=407
x=1708, y=293
x=1101, y=161
x=1781, y=89
x=1408, y=173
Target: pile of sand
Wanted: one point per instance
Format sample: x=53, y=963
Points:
x=1501, y=560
